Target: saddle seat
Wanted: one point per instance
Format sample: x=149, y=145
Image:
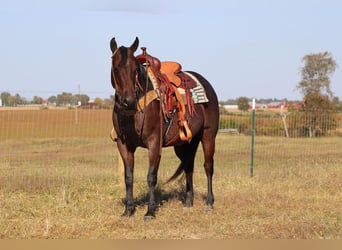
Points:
x=171, y=70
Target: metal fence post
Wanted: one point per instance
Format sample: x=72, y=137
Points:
x=252, y=143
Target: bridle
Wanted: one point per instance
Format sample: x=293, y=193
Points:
x=120, y=105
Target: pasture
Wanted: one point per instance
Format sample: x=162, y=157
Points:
x=60, y=179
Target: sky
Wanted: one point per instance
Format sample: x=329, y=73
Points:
x=251, y=48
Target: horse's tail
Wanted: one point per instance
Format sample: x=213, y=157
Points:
x=178, y=172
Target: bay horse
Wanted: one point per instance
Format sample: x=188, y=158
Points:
x=147, y=128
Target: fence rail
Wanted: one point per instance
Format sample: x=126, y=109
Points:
x=46, y=147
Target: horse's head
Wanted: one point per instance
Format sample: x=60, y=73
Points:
x=124, y=74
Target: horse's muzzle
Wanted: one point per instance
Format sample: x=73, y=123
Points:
x=129, y=103
x=126, y=103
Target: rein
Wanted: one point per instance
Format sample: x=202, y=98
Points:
x=145, y=103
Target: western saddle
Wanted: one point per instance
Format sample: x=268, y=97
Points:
x=169, y=78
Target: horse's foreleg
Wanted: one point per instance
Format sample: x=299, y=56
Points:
x=129, y=203
x=128, y=159
x=152, y=177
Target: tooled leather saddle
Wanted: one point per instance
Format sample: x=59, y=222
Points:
x=169, y=78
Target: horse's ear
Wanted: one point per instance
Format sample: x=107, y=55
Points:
x=135, y=45
x=113, y=45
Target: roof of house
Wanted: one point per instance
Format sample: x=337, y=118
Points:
x=275, y=104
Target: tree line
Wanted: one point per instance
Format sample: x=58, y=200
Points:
x=62, y=99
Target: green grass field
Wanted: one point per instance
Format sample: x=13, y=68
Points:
x=62, y=180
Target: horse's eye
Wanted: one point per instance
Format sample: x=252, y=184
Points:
x=115, y=70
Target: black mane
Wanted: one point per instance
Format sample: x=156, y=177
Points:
x=142, y=74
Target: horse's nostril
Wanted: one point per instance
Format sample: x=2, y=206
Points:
x=129, y=102
x=124, y=103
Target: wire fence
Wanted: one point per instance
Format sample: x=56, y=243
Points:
x=46, y=147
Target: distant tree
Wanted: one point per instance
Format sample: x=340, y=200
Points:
x=21, y=100
x=337, y=103
x=37, y=100
x=82, y=98
x=99, y=102
x=317, y=102
x=108, y=103
x=317, y=94
x=11, y=101
x=316, y=74
x=18, y=99
x=242, y=103
x=4, y=98
x=52, y=99
x=73, y=100
x=64, y=99
x=315, y=120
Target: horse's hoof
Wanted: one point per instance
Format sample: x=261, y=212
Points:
x=127, y=213
x=188, y=204
x=209, y=208
x=149, y=217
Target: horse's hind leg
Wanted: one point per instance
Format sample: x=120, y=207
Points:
x=209, y=150
x=186, y=153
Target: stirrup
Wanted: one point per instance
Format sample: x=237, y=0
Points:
x=185, y=132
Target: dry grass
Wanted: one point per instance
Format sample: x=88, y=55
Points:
x=56, y=187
